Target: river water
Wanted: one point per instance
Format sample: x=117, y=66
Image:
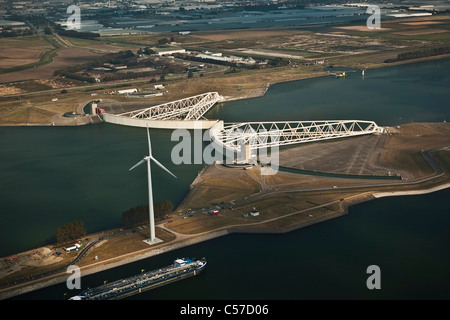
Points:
x=54, y=175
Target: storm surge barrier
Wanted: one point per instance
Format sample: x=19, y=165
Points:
x=258, y=135
x=185, y=113
x=188, y=113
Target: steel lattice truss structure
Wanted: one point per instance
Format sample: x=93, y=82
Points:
x=273, y=134
x=192, y=108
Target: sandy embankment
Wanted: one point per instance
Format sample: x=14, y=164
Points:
x=410, y=193
x=108, y=264
x=35, y=258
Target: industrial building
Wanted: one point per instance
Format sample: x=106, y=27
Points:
x=167, y=51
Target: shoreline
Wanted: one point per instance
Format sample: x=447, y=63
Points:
x=102, y=266
x=189, y=240
x=262, y=91
x=379, y=195
x=167, y=247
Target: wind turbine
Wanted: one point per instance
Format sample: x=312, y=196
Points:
x=148, y=159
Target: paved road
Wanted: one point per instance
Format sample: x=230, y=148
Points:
x=105, y=85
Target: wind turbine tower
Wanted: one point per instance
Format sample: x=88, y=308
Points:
x=148, y=159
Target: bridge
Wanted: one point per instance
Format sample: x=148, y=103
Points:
x=185, y=113
x=257, y=135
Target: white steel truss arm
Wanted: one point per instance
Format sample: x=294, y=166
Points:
x=268, y=134
x=192, y=108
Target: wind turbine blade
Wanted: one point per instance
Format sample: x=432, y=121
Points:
x=161, y=166
x=149, y=144
x=137, y=164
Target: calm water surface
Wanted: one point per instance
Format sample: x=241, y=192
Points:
x=51, y=176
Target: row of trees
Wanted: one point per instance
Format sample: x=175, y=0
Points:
x=75, y=230
x=78, y=34
x=70, y=232
x=8, y=32
x=146, y=50
x=420, y=54
x=77, y=76
x=128, y=75
x=166, y=40
x=139, y=214
x=113, y=58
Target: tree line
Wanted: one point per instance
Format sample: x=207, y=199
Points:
x=113, y=58
x=11, y=33
x=78, y=34
x=419, y=54
x=70, y=232
x=140, y=214
x=128, y=75
x=76, y=76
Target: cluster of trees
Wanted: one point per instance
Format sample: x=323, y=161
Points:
x=123, y=57
x=139, y=214
x=419, y=54
x=75, y=76
x=74, y=33
x=133, y=75
x=146, y=50
x=278, y=62
x=78, y=34
x=70, y=232
x=72, y=71
x=165, y=40
x=113, y=58
x=10, y=32
x=127, y=75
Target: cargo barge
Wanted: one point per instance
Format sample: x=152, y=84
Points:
x=180, y=269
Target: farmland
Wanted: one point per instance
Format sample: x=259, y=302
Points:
x=27, y=72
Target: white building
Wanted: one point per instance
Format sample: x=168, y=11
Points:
x=169, y=51
x=254, y=213
x=127, y=91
